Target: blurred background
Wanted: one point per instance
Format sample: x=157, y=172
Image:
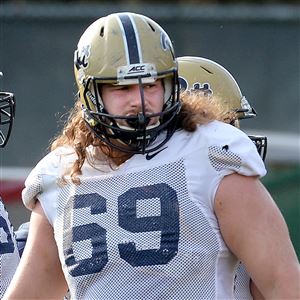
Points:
x=257, y=41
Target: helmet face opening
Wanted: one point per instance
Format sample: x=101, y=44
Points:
x=7, y=113
x=127, y=49
x=131, y=134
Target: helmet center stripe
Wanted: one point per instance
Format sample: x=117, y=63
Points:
x=130, y=39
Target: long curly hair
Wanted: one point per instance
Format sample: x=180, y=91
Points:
x=196, y=110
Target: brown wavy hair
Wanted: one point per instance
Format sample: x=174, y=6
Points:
x=195, y=110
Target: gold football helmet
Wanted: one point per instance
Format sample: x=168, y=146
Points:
x=124, y=49
x=208, y=77
x=7, y=114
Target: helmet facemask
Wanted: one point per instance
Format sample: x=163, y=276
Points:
x=261, y=144
x=246, y=111
x=135, y=135
x=7, y=113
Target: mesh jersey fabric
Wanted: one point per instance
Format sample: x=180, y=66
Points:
x=241, y=288
x=146, y=230
x=9, y=256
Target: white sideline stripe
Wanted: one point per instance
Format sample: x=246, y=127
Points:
x=282, y=147
x=14, y=173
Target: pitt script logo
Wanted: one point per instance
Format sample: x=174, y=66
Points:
x=81, y=57
x=202, y=88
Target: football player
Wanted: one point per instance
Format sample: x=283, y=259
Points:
x=207, y=77
x=9, y=257
x=143, y=196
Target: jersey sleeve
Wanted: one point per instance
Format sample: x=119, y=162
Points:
x=42, y=183
x=231, y=150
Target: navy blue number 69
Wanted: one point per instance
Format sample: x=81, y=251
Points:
x=167, y=223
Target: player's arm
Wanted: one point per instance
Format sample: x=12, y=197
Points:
x=255, y=292
x=255, y=231
x=39, y=274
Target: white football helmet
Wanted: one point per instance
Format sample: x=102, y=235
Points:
x=124, y=49
x=208, y=77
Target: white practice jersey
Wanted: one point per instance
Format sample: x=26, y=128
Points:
x=9, y=255
x=242, y=283
x=146, y=230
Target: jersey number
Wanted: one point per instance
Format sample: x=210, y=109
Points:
x=6, y=247
x=167, y=223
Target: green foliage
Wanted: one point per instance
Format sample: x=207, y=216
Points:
x=284, y=186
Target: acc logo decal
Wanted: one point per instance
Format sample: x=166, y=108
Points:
x=137, y=69
x=81, y=57
x=132, y=71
